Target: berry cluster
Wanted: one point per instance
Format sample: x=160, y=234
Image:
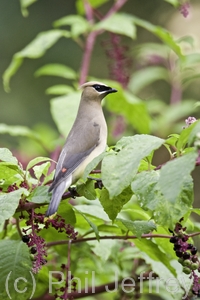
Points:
x=186, y=253
x=119, y=58
x=59, y=224
x=69, y=287
x=36, y=243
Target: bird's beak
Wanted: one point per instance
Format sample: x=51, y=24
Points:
x=112, y=91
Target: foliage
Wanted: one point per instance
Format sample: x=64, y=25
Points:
x=125, y=219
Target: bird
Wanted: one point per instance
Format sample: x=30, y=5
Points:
x=86, y=140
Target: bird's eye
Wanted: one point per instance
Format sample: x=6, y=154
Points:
x=97, y=87
x=101, y=88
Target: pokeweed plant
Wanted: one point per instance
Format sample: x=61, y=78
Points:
x=126, y=230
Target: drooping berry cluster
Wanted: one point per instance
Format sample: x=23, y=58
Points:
x=69, y=286
x=187, y=254
x=36, y=243
x=120, y=61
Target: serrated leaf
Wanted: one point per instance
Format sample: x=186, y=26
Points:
x=40, y=195
x=119, y=169
x=10, y=173
x=138, y=227
x=113, y=206
x=87, y=190
x=15, y=266
x=60, y=89
x=64, y=110
x=174, y=173
x=36, y=161
x=41, y=169
x=9, y=203
x=145, y=187
x=119, y=23
x=56, y=70
x=79, y=25
x=6, y=155
x=35, y=49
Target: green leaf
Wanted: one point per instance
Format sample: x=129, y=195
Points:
x=113, y=206
x=119, y=23
x=175, y=3
x=19, y=131
x=94, y=3
x=35, y=49
x=154, y=256
x=10, y=173
x=145, y=186
x=92, y=165
x=174, y=173
x=146, y=76
x=40, y=195
x=64, y=110
x=161, y=33
x=92, y=225
x=67, y=211
x=9, y=203
x=15, y=265
x=41, y=169
x=79, y=25
x=87, y=190
x=24, y=4
x=119, y=169
x=138, y=227
x=132, y=108
x=94, y=211
x=195, y=130
x=102, y=249
x=37, y=160
x=184, y=136
x=6, y=155
x=59, y=89
x=56, y=70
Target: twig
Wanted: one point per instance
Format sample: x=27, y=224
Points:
x=113, y=237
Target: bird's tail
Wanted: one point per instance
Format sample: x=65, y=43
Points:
x=56, y=198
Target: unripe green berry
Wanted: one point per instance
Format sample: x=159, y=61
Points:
x=186, y=270
x=194, y=266
x=187, y=263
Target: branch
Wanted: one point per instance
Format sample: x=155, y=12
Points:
x=112, y=237
x=117, y=237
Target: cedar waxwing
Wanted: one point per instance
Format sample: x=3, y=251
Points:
x=86, y=140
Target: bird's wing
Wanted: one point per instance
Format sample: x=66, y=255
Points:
x=74, y=153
